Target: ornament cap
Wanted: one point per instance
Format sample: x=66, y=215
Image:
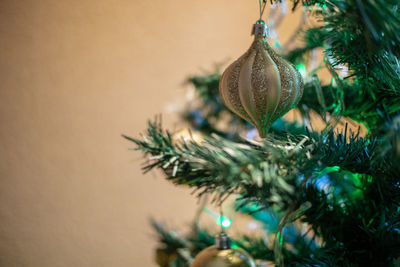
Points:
x=260, y=29
x=222, y=241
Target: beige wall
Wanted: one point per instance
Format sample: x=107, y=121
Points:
x=74, y=75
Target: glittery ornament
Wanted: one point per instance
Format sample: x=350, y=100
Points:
x=261, y=86
x=222, y=255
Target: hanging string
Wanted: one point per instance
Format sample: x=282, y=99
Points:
x=221, y=218
x=263, y=4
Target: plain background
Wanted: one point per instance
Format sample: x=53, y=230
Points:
x=74, y=76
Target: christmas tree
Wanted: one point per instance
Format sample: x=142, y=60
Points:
x=328, y=194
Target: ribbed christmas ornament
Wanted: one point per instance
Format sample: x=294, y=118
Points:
x=261, y=86
x=222, y=255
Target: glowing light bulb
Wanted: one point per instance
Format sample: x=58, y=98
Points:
x=302, y=69
x=224, y=222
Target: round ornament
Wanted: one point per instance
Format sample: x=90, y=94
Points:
x=164, y=257
x=261, y=86
x=187, y=135
x=222, y=255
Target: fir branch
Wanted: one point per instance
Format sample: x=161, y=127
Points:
x=223, y=167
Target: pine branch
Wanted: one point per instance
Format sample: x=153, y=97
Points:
x=268, y=171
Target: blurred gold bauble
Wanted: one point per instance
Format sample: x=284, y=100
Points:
x=222, y=255
x=164, y=258
x=213, y=257
x=261, y=86
x=186, y=135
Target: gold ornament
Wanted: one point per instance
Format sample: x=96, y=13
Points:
x=186, y=135
x=222, y=255
x=164, y=258
x=261, y=86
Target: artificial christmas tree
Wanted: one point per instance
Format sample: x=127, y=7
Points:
x=330, y=197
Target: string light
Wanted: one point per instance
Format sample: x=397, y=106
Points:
x=224, y=222
x=302, y=69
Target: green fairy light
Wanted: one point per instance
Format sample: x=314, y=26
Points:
x=302, y=69
x=280, y=238
x=224, y=222
x=234, y=246
x=323, y=6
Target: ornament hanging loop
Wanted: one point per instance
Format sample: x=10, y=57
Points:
x=222, y=241
x=260, y=29
x=263, y=4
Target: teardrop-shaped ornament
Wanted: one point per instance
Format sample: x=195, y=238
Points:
x=261, y=86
